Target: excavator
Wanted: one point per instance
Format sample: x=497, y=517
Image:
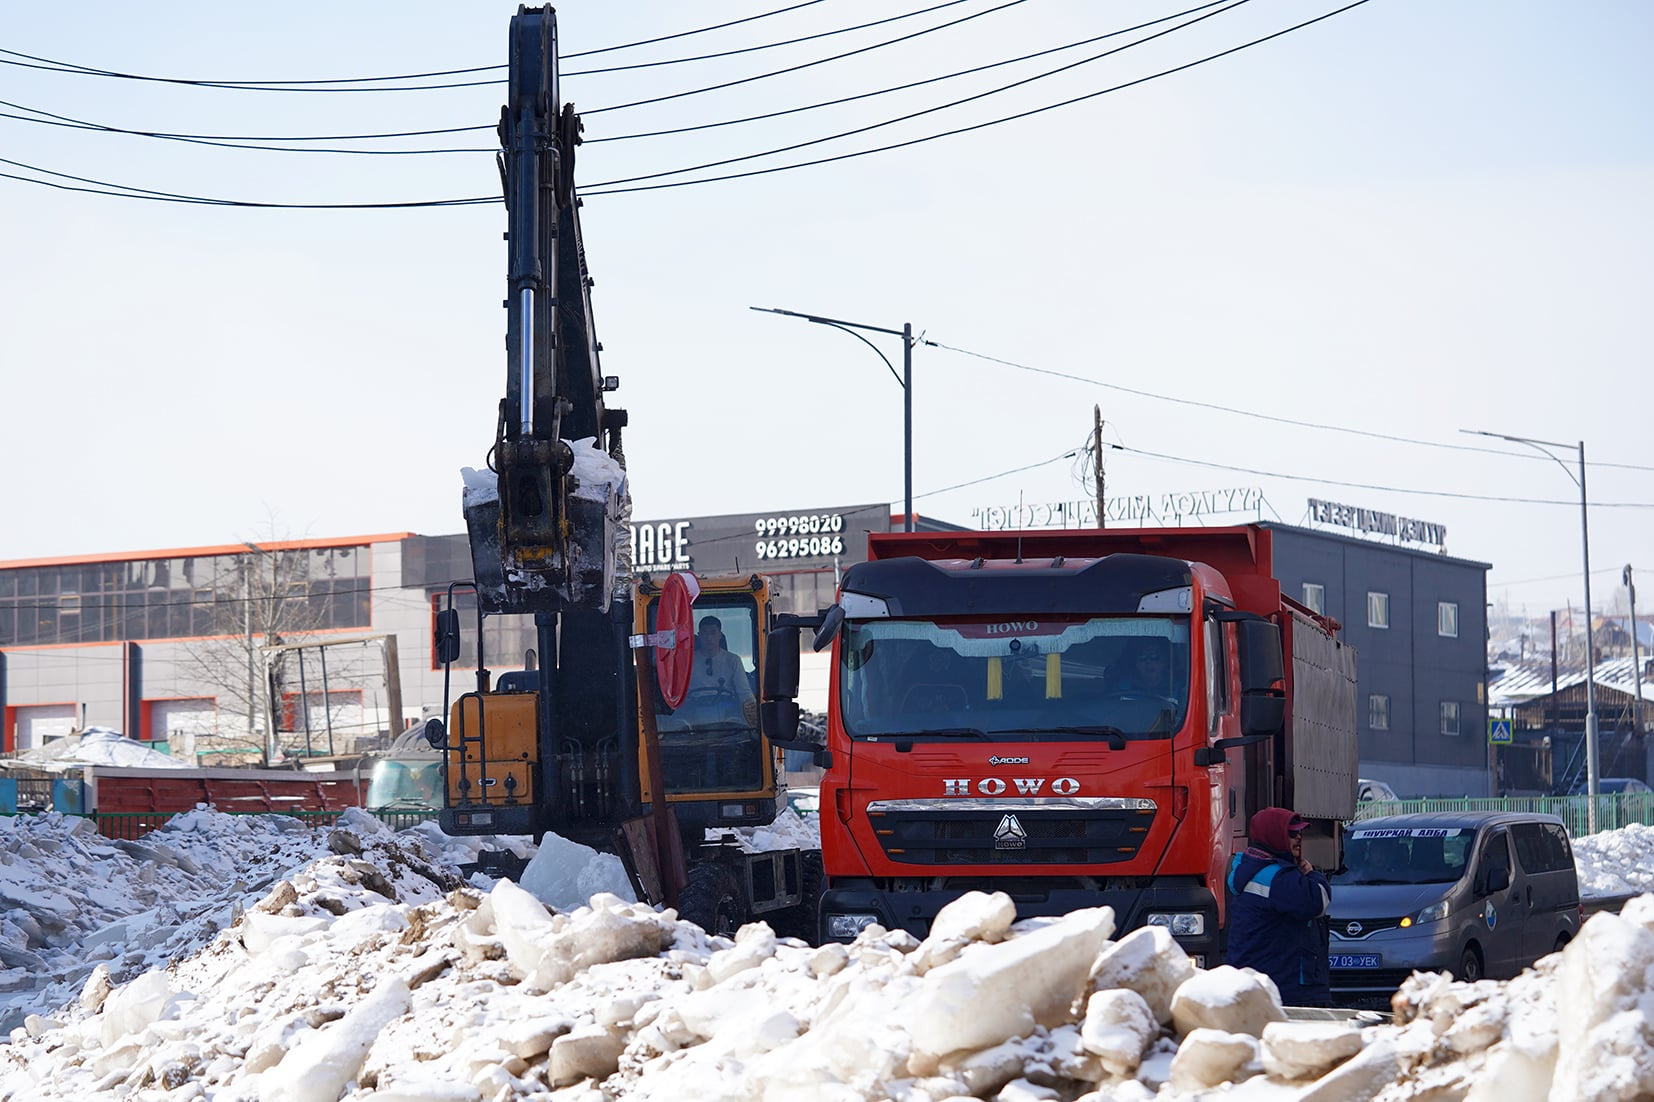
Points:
x=600, y=739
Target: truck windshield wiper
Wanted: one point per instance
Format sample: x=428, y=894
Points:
x=953, y=732
x=1116, y=737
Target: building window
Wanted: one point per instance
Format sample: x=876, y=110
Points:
x=1450, y=717
x=1447, y=619
x=1378, y=609
x=1378, y=712
x=1315, y=597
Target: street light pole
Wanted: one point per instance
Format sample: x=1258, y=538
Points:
x=1592, y=774
x=1636, y=658
x=906, y=380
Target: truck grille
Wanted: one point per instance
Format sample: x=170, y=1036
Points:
x=1010, y=834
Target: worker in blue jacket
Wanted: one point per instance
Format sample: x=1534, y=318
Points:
x=1277, y=904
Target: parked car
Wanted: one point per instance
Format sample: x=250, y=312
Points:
x=1474, y=893
x=1616, y=786
x=1366, y=789
x=805, y=801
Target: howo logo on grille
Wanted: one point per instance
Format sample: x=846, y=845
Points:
x=1009, y=834
x=996, y=786
x=1015, y=627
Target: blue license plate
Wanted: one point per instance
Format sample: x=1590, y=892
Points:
x=1356, y=960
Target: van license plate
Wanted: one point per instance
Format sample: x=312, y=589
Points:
x=1356, y=960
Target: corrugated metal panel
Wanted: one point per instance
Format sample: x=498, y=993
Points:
x=1324, y=754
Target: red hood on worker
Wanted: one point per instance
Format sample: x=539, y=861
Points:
x=1269, y=829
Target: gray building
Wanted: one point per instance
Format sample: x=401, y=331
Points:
x=1418, y=622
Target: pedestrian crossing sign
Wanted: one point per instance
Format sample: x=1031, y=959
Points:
x=1498, y=731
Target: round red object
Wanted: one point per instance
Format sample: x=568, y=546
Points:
x=674, y=614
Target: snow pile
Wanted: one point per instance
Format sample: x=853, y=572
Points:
x=76, y=901
x=354, y=963
x=1614, y=862
x=93, y=746
x=1577, y=1027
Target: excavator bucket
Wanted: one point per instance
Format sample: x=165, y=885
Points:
x=577, y=568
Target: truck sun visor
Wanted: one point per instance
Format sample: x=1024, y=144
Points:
x=1180, y=599
x=859, y=606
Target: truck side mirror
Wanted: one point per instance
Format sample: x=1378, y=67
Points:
x=1262, y=676
x=831, y=621
x=1262, y=666
x=781, y=667
x=436, y=733
x=779, y=720
x=445, y=636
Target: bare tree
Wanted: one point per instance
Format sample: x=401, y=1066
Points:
x=268, y=598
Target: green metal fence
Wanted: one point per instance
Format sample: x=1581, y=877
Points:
x=1613, y=811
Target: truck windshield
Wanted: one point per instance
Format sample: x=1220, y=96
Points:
x=1117, y=677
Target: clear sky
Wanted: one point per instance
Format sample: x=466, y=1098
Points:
x=1409, y=219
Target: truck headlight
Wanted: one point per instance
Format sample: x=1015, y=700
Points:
x=1433, y=913
x=845, y=927
x=1181, y=923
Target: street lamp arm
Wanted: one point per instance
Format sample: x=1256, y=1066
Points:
x=1539, y=446
x=893, y=373
x=827, y=321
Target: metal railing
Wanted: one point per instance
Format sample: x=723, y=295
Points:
x=132, y=825
x=1614, y=810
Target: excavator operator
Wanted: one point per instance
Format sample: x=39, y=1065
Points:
x=717, y=673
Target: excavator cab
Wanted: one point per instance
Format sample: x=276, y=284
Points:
x=717, y=767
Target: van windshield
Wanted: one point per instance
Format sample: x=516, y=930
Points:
x=1405, y=855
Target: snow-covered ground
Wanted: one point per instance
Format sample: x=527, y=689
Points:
x=250, y=958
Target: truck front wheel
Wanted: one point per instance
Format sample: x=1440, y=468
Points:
x=711, y=900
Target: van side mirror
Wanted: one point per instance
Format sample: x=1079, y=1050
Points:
x=445, y=636
x=1498, y=879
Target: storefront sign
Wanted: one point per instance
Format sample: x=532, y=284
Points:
x=776, y=541
x=1371, y=520
x=1137, y=509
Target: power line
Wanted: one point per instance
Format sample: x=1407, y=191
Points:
x=926, y=111
x=104, y=188
x=978, y=126
x=802, y=65
x=46, y=64
x=119, y=190
x=1274, y=418
x=227, y=143
x=1572, y=503
x=899, y=87
x=762, y=46
x=82, y=124
x=697, y=30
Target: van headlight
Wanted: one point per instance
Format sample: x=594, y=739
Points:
x=1433, y=913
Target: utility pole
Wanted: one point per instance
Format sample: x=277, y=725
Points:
x=1636, y=659
x=1097, y=461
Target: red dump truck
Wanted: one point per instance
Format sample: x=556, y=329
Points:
x=1074, y=717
